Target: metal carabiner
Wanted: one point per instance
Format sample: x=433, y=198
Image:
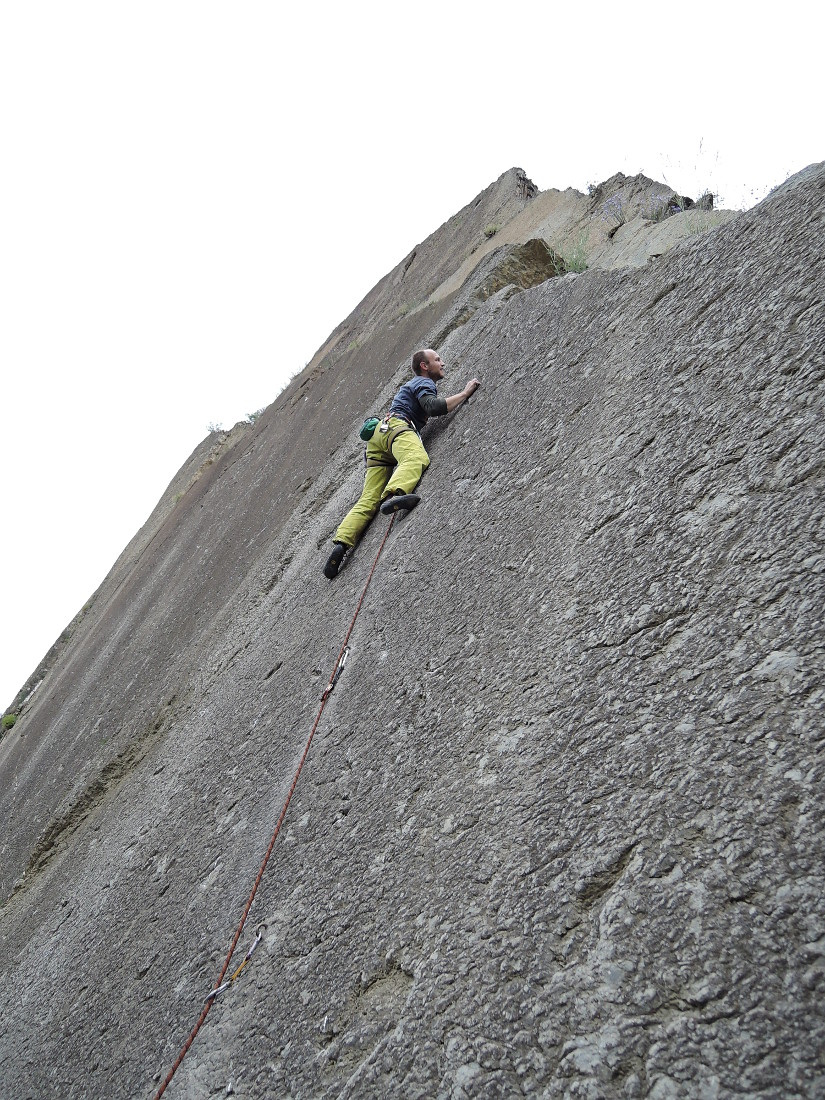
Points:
x=259, y=935
x=216, y=992
x=340, y=667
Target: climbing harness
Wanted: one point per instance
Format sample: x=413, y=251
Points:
x=220, y=985
x=392, y=434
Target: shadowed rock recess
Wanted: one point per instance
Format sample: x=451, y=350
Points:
x=560, y=832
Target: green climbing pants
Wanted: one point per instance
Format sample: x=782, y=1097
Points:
x=400, y=471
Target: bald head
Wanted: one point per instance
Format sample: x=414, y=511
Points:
x=421, y=358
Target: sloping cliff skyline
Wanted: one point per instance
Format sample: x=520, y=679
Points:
x=557, y=833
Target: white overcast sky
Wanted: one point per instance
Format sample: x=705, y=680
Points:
x=193, y=194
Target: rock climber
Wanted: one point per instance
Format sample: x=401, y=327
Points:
x=396, y=457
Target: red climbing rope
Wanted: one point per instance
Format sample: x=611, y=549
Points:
x=339, y=664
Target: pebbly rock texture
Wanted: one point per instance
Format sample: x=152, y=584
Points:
x=559, y=833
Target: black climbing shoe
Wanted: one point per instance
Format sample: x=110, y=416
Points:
x=334, y=560
x=401, y=502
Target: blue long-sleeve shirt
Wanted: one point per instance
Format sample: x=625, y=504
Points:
x=417, y=401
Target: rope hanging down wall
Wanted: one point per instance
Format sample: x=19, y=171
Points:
x=219, y=985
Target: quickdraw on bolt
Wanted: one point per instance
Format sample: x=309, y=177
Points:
x=217, y=992
x=339, y=668
x=258, y=937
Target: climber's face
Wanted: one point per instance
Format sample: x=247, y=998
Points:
x=434, y=367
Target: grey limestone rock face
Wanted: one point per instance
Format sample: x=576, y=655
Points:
x=560, y=831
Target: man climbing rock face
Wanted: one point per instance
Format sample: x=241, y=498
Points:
x=396, y=457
